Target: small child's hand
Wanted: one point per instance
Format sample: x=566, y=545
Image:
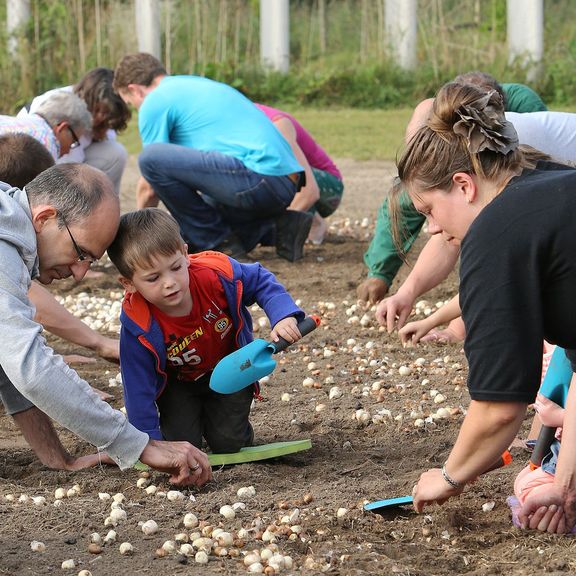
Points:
x=287, y=329
x=445, y=336
x=411, y=333
x=549, y=412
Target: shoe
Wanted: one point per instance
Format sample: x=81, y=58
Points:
x=292, y=229
x=232, y=246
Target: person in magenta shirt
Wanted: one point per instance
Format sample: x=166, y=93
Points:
x=323, y=191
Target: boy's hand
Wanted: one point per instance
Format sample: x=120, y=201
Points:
x=444, y=336
x=455, y=332
x=550, y=413
x=287, y=329
x=549, y=508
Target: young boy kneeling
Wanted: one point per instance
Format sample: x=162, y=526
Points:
x=181, y=314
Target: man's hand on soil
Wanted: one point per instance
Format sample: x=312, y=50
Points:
x=372, y=290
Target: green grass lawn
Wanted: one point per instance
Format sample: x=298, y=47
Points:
x=357, y=134
x=343, y=133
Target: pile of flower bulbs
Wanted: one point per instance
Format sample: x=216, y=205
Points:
x=98, y=312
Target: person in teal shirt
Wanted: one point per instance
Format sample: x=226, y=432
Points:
x=217, y=163
x=383, y=258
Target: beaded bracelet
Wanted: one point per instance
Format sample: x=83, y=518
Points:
x=451, y=481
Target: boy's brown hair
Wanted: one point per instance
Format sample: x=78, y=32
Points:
x=140, y=68
x=142, y=236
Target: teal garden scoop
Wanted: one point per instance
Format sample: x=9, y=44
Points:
x=253, y=361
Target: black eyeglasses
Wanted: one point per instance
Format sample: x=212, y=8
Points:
x=75, y=143
x=82, y=255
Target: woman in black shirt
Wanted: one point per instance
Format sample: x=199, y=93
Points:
x=515, y=218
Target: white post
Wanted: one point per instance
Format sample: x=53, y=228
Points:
x=148, y=27
x=400, y=21
x=17, y=16
x=275, y=34
x=525, y=31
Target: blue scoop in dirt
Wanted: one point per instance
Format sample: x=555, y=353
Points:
x=253, y=361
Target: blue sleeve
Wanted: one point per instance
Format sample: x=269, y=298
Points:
x=262, y=288
x=154, y=122
x=139, y=379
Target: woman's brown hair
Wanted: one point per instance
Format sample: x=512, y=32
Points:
x=467, y=131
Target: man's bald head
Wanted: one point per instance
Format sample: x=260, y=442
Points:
x=75, y=213
x=74, y=190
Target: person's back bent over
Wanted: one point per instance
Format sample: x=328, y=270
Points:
x=220, y=167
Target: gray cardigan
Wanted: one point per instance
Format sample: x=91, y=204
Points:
x=31, y=365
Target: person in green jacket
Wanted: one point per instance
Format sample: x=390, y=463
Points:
x=382, y=257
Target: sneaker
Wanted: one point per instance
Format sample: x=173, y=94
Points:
x=292, y=229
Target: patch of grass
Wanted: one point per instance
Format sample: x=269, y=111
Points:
x=355, y=133
x=343, y=133
x=130, y=137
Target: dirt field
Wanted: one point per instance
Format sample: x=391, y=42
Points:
x=351, y=461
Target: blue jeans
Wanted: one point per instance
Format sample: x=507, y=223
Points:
x=232, y=196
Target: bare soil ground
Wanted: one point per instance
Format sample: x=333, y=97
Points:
x=350, y=462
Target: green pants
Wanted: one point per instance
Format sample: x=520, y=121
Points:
x=382, y=257
x=331, y=190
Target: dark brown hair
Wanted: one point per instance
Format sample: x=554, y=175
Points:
x=436, y=151
x=482, y=79
x=95, y=88
x=22, y=158
x=140, y=68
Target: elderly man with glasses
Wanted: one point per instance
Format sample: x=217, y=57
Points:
x=58, y=123
x=55, y=228
x=99, y=146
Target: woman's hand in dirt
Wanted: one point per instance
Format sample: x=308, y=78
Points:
x=431, y=487
x=372, y=290
x=186, y=464
x=287, y=329
x=393, y=312
x=549, y=509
